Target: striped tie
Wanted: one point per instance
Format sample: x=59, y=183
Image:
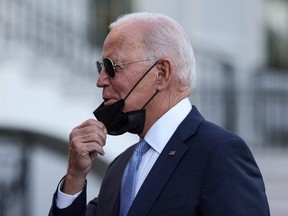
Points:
x=128, y=179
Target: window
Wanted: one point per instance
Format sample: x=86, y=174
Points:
x=102, y=13
x=277, y=34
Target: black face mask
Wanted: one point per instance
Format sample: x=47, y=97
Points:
x=118, y=122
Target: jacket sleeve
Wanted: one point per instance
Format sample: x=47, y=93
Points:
x=233, y=184
x=77, y=208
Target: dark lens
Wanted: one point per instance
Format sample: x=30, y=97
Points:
x=99, y=66
x=108, y=65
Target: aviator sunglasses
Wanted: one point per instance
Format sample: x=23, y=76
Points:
x=110, y=67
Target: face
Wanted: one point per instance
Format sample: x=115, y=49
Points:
x=121, y=48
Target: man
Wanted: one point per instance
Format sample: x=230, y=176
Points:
x=190, y=166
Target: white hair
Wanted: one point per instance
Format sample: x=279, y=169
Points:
x=165, y=38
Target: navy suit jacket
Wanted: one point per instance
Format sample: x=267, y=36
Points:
x=212, y=173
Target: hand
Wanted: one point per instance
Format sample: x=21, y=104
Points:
x=86, y=142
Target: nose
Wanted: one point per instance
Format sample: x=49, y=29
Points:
x=103, y=79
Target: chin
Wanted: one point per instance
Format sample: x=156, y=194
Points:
x=109, y=102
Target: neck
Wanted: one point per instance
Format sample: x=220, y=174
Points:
x=163, y=102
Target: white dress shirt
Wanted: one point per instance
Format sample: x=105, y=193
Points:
x=157, y=137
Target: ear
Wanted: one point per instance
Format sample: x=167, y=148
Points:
x=163, y=74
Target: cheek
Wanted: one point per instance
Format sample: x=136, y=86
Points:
x=121, y=87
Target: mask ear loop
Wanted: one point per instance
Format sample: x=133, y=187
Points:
x=150, y=100
x=140, y=81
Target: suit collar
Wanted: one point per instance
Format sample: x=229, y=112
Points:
x=163, y=129
x=190, y=124
x=158, y=176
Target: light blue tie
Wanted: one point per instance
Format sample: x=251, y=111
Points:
x=129, y=176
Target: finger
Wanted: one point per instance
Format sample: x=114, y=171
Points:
x=88, y=134
x=91, y=122
x=93, y=147
x=99, y=138
x=93, y=155
x=87, y=143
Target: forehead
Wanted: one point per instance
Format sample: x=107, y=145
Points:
x=124, y=41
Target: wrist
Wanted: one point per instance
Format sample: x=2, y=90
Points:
x=72, y=184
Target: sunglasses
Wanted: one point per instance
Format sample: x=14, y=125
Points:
x=110, y=67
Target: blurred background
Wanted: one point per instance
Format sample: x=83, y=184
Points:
x=48, y=50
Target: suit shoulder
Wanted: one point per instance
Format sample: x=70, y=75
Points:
x=209, y=136
x=214, y=132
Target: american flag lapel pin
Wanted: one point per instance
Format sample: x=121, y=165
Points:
x=172, y=153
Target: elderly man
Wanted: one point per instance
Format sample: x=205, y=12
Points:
x=183, y=164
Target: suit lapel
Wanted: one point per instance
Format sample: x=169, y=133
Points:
x=109, y=195
x=158, y=176
x=165, y=165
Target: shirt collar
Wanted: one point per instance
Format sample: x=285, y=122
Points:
x=163, y=129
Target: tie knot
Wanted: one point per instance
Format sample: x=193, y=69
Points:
x=142, y=147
